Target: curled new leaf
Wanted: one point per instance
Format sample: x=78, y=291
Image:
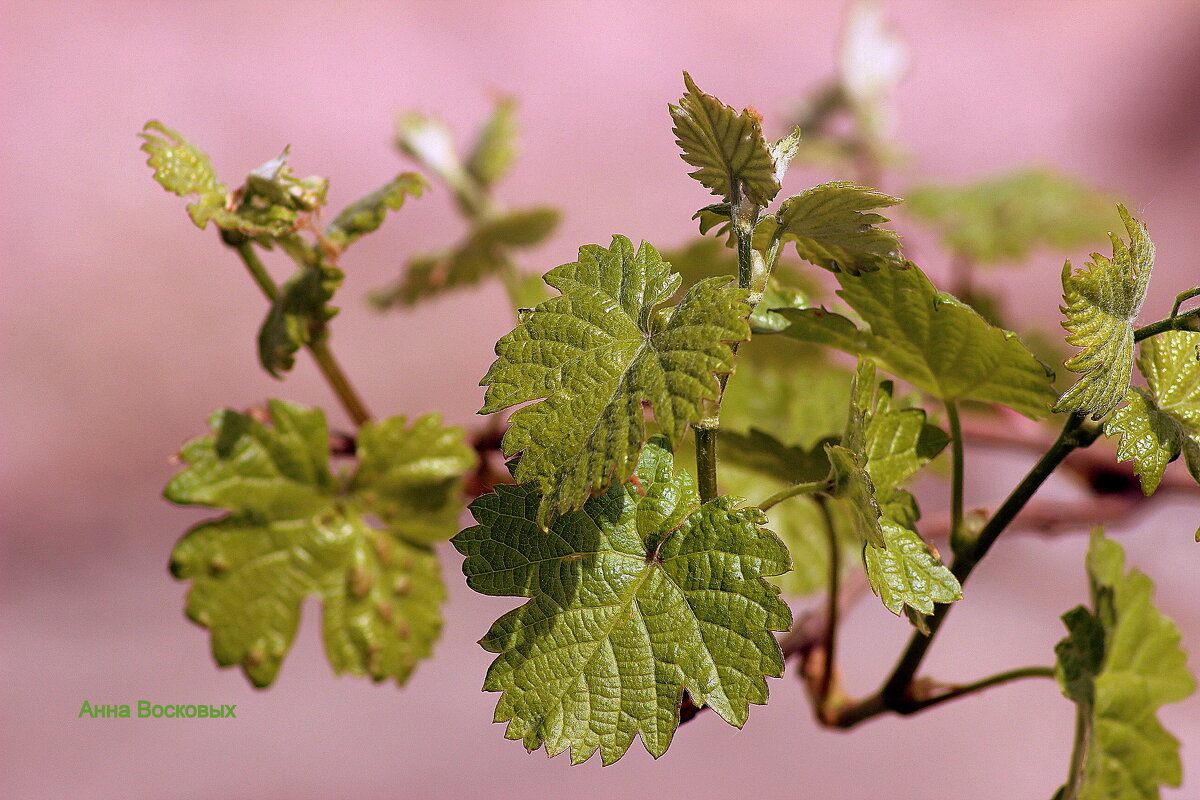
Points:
x=638, y=596
x=595, y=354
x=1101, y=305
x=294, y=530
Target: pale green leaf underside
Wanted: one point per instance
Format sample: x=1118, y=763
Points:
x=934, y=341
x=726, y=147
x=293, y=531
x=638, y=596
x=1101, y=304
x=833, y=226
x=1155, y=426
x=595, y=354
x=1122, y=662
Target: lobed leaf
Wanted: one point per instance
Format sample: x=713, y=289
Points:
x=641, y=594
x=295, y=530
x=930, y=339
x=1101, y=305
x=1155, y=426
x=1120, y=662
x=727, y=148
x=833, y=226
x=183, y=169
x=298, y=314
x=595, y=354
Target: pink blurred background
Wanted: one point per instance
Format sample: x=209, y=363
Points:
x=123, y=326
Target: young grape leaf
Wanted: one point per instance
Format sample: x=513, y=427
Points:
x=595, y=354
x=266, y=207
x=883, y=447
x=930, y=339
x=1120, y=663
x=763, y=453
x=1157, y=425
x=495, y=148
x=185, y=170
x=1006, y=217
x=366, y=214
x=299, y=314
x=906, y=572
x=727, y=148
x=638, y=596
x=485, y=251
x=295, y=529
x=833, y=226
x=1101, y=305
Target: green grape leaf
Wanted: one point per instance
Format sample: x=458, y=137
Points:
x=641, y=594
x=183, y=169
x=882, y=447
x=1006, y=217
x=366, y=214
x=1120, y=662
x=595, y=354
x=726, y=147
x=907, y=572
x=495, y=148
x=933, y=341
x=763, y=453
x=820, y=326
x=794, y=391
x=1155, y=426
x=833, y=226
x=485, y=252
x=1101, y=305
x=294, y=529
x=799, y=523
x=298, y=315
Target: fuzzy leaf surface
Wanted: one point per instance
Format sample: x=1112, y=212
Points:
x=634, y=598
x=1121, y=663
x=834, y=226
x=1155, y=426
x=595, y=354
x=1101, y=304
x=726, y=147
x=294, y=529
